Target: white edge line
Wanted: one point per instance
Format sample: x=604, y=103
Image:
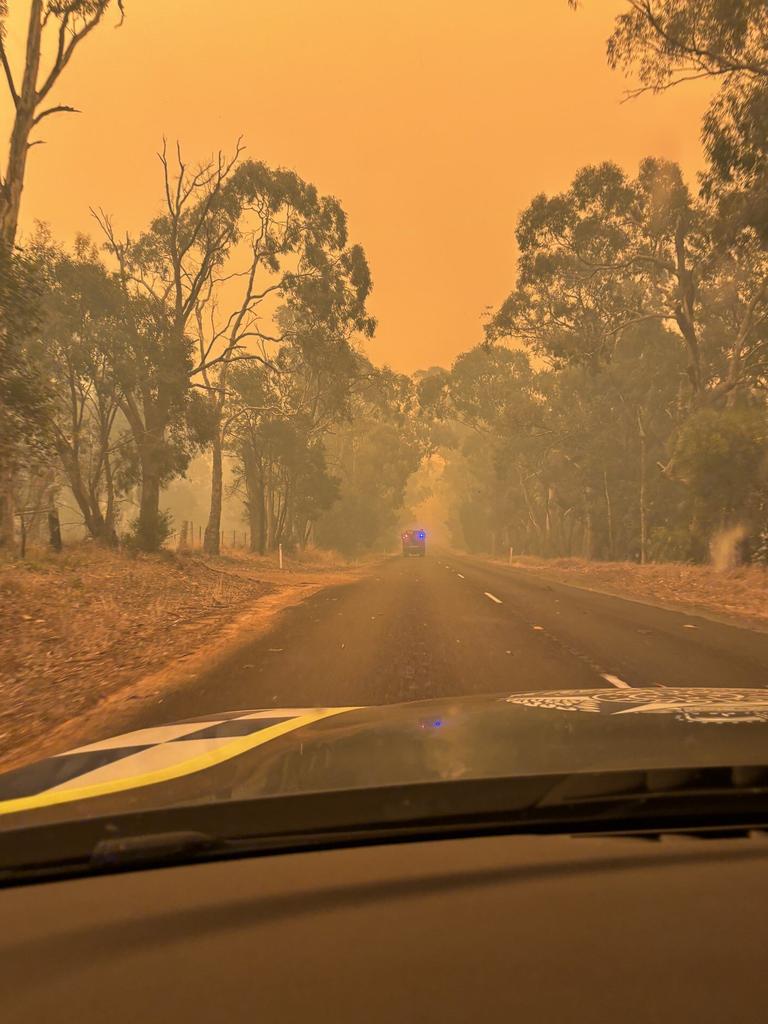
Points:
x=493, y=597
x=615, y=681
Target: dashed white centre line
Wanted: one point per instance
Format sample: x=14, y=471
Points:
x=492, y=597
x=459, y=575
x=615, y=681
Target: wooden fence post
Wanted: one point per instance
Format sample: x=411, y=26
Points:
x=54, y=530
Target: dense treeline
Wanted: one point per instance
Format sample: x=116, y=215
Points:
x=230, y=327
x=617, y=408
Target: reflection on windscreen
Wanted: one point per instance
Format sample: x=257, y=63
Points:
x=390, y=407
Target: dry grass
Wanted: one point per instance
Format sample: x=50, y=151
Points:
x=741, y=593
x=79, y=628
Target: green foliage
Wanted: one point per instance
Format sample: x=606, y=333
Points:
x=588, y=462
x=376, y=462
x=647, y=314
x=24, y=389
x=699, y=263
x=722, y=457
x=668, y=42
x=149, y=533
x=374, y=454
x=599, y=257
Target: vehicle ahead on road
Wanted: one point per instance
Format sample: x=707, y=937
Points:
x=502, y=838
x=414, y=543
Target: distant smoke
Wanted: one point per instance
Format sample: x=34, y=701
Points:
x=724, y=548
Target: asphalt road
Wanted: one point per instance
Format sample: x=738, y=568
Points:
x=445, y=624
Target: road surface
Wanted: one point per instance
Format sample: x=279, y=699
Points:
x=446, y=624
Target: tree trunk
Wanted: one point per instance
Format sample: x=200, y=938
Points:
x=569, y=522
x=269, y=510
x=109, y=516
x=684, y=312
x=109, y=481
x=150, y=527
x=211, y=543
x=588, y=549
x=7, y=510
x=254, y=489
x=149, y=435
x=283, y=530
x=308, y=534
x=149, y=533
x=643, y=510
x=41, y=488
x=184, y=535
x=10, y=204
x=262, y=507
x=24, y=116
x=95, y=523
x=609, y=515
x=54, y=530
x=549, y=491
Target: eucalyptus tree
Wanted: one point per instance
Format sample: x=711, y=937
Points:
x=55, y=30
x=292, y=287
x=81, y=336
x=666, y=43
x=164, y=273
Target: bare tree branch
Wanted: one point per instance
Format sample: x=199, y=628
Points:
x=60, y=109
x=8, y=73
x=66, y=46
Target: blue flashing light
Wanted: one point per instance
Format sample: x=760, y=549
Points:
x=422, y=535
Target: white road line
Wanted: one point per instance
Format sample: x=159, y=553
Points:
x=493, y=598
x=459, y=575
x=615, y=681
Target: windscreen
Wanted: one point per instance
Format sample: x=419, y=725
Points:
x=382, y=393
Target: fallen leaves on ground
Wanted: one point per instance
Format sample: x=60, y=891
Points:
x=741, y=593
x=78, y=628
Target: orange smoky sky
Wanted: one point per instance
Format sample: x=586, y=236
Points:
x=434, y=122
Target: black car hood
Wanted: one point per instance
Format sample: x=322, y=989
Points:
x=244, y=754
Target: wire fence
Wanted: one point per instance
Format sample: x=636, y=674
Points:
x=190, y=535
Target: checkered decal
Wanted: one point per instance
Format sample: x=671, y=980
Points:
x=147, y=755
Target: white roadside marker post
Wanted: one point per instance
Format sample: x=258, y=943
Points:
x=280, y=554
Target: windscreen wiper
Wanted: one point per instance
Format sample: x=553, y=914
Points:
x=581, y=789
x=156, y=848
x=648, y=802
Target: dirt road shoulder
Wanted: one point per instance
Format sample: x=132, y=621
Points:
x=85, y=638
x=737, y=596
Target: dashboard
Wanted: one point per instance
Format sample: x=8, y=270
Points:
x=508, y=928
